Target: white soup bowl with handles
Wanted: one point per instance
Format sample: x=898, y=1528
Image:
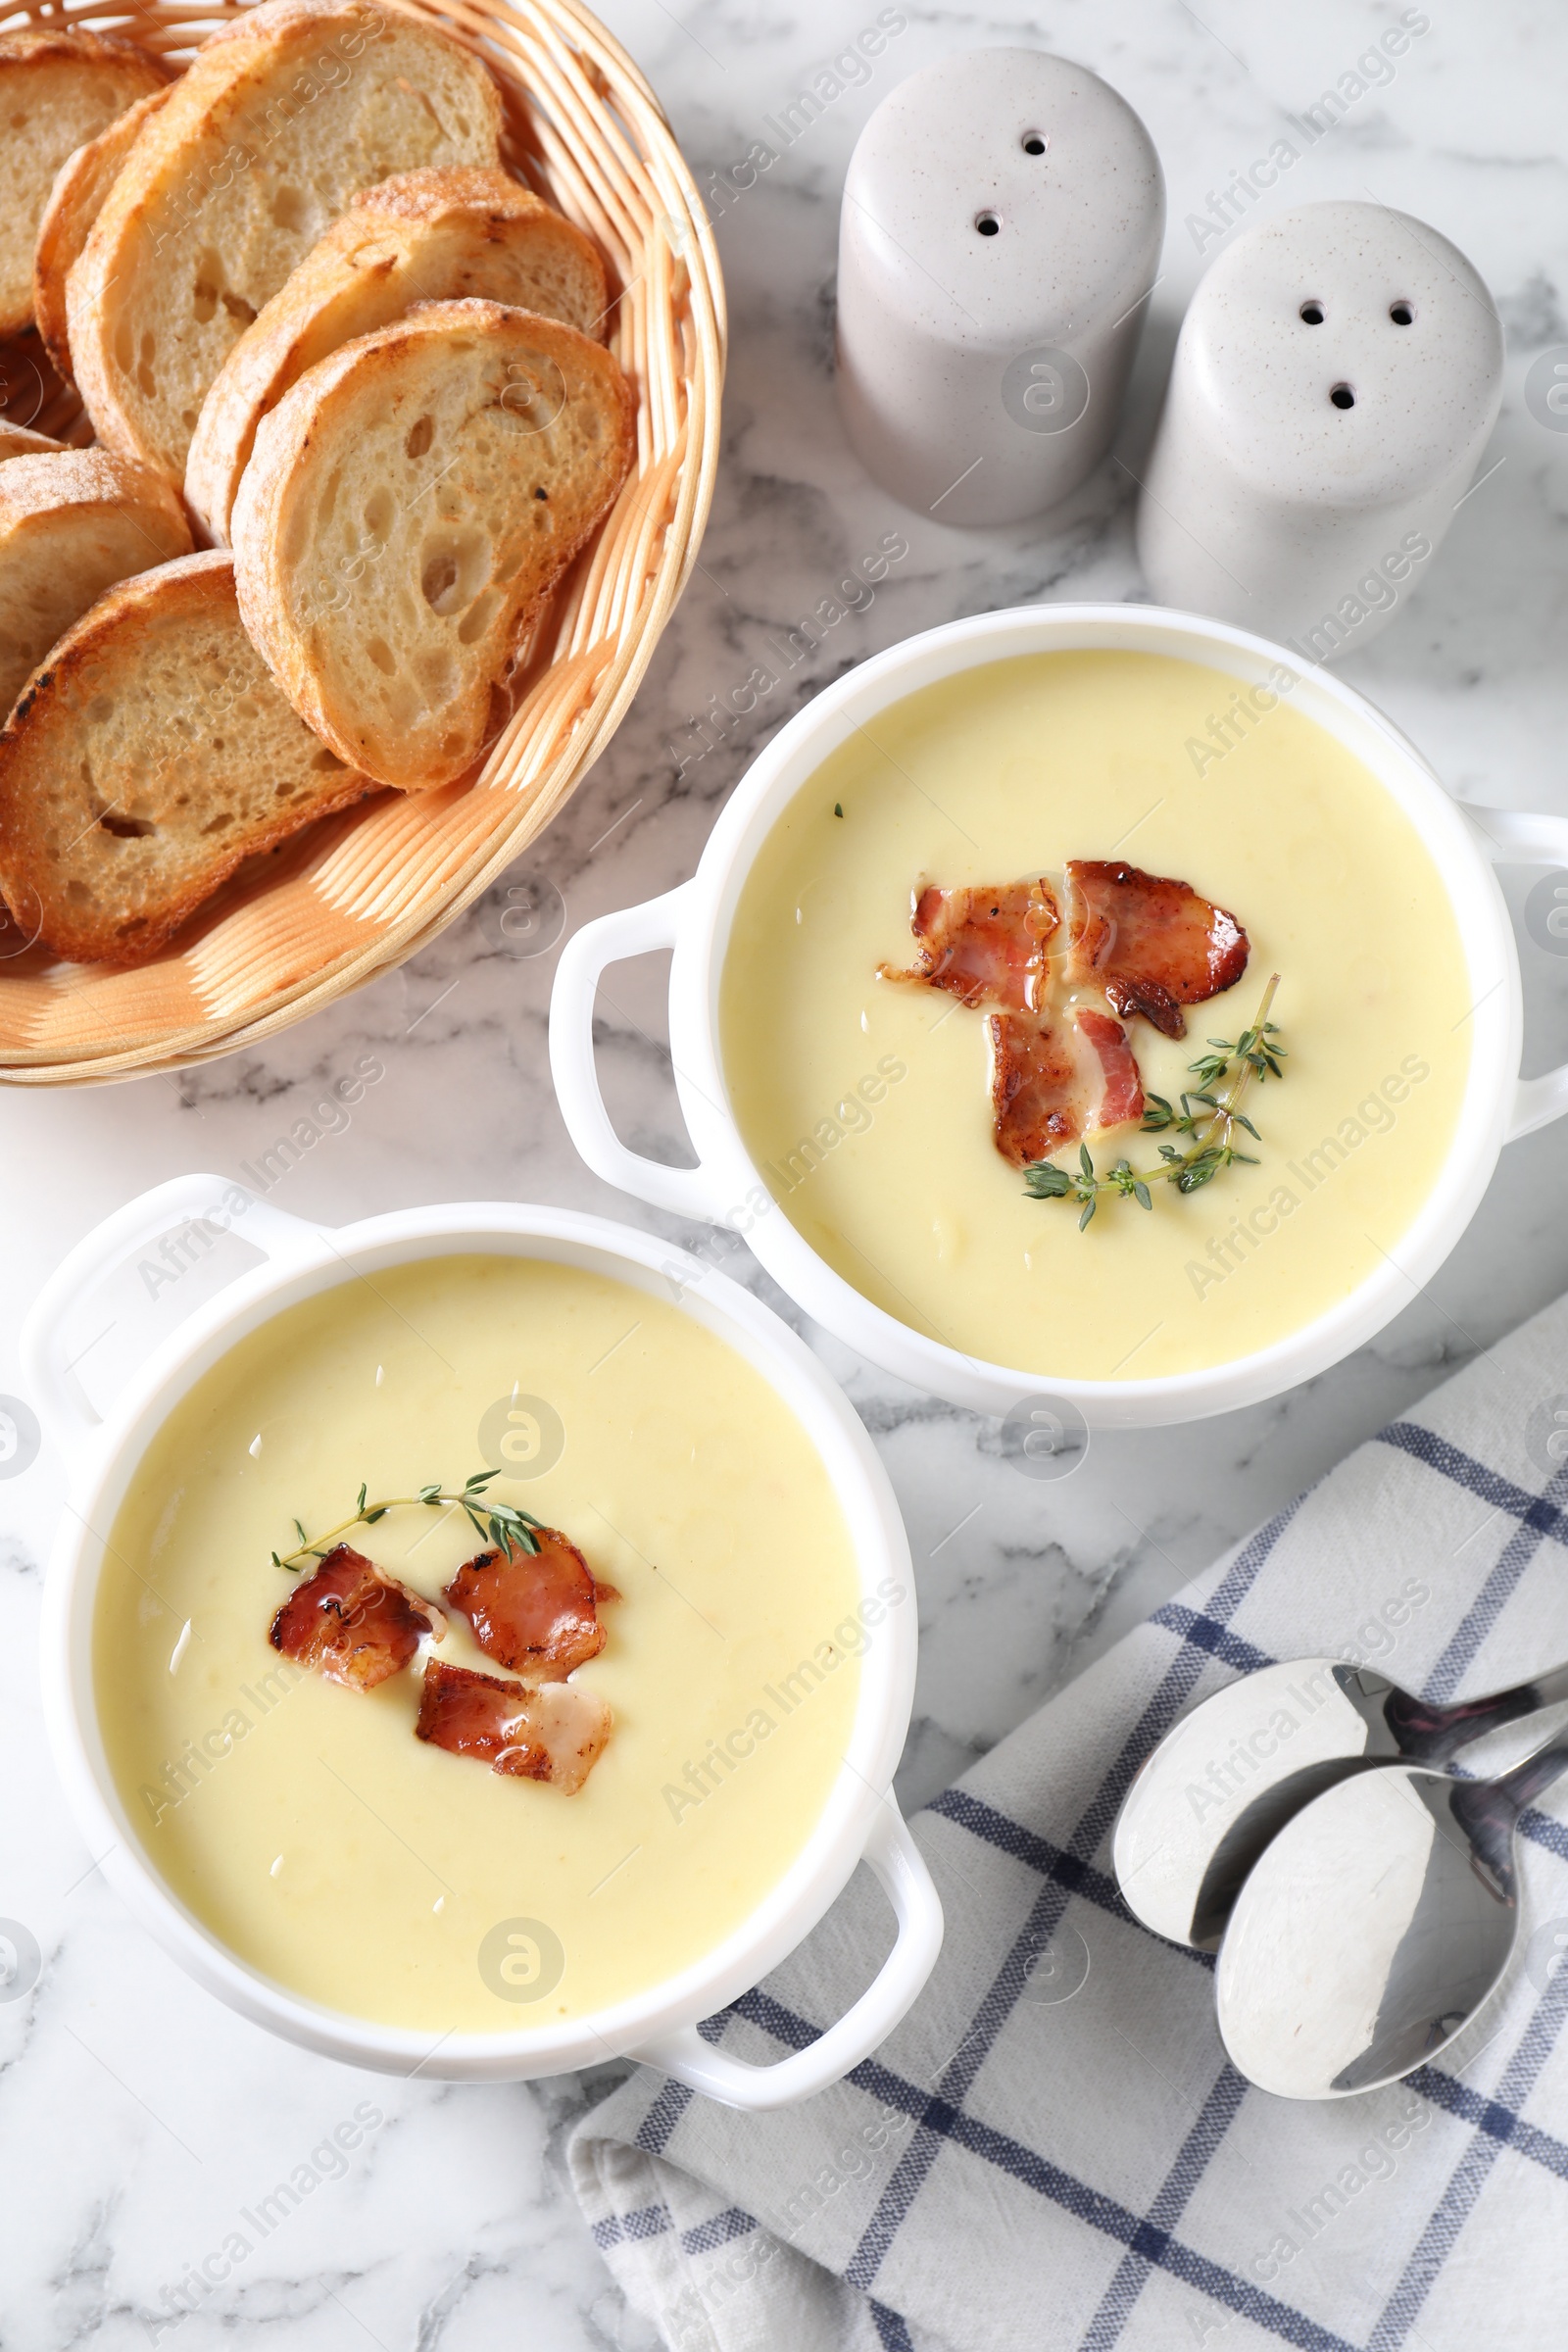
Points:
x=728, y=1189
x=860, y=1820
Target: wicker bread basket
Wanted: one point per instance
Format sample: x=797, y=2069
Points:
x=363, y=891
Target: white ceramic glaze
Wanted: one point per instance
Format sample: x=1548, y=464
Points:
x=726, y=1188
x=860, y=1820
x=1264, y=503
x=981, y=376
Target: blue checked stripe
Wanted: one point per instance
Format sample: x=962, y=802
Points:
x=1463, y=1469
x=1192, y=2162
x=656, y=2220
x=1544, y=1831
x=1494, y=1595
x=719, y=2230
x=623, y=2228
x=1038, y=1853
x=1493, y=2118
x=1174, y=1689
x=1141, y=2234
x=891, y=2331
x=983, y=1821
x=1148, y=2241
x=1206, y=1632
x=1470, y=2175
x=653, y=2132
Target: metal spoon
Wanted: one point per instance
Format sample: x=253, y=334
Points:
x=1374, y=1927
x=1227, y=1778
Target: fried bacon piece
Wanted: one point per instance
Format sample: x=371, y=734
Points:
x=1036, y=1093
x=552, y=1733
x=1047, y=1089
x=354, y=1623
x=533, y=1611
x=1123, y=1095
x=1150, y=942
x=985, y=946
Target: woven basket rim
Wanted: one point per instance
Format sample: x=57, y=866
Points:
x=671, y=335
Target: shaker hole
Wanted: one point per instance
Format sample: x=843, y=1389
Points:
x=1312, y=312
x=1342, y=397
x=1400, y=313
x=1035, y=142
x=988, y=223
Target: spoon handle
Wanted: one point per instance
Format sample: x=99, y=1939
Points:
x=1527, y=1781
x=1429, y=1734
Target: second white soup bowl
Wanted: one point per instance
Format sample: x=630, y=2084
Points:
x=860, y=1819
x=726, y=1187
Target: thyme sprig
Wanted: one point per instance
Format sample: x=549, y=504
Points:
x=500, y=1524
x=1212, y=1125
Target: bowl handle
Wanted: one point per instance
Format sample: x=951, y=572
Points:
x=899, y=1865
x=215, y=1201
x=633, y=931
x=1527, y=837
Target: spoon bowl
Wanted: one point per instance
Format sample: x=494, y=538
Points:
x=1377, y=1923
x=1227, y=1778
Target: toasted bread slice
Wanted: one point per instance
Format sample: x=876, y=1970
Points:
x=284, y=115
x=425, y=236
x=72, y=523
x=57, y=90
x=76, y=200
x=20, y=441
x=147, y=757
x=408, y=504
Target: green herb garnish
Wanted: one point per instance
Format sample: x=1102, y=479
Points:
x=502, y=1524
x=1212, y=1125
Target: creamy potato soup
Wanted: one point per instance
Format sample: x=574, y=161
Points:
x=865, y=1102
x=304, y=1823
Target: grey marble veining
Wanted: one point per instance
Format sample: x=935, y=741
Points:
x=138, y=2119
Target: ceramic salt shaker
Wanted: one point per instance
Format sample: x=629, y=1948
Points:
x=1002, y=224
x=1336, y=377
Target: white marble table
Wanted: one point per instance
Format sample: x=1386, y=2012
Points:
x=136, y=2116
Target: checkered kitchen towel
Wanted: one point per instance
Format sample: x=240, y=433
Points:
x=1043, y=2157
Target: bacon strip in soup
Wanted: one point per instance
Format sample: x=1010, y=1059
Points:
x=1149, y=940
x=353, y=1623
x=1122, y=1098
x=1061, y=1068
x=555, y=1731
x=986, y=945
x=535, y=1612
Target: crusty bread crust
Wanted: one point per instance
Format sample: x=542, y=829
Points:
x=20, y=441
x=59, y=86
x=76, y=200
x=149, y=757
x=284, y=116
x=35, y=41
x=437, y=235
x=410, y=504
x=73, y=522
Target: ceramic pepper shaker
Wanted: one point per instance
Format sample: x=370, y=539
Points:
x=1002, y=224
x=1338, y=376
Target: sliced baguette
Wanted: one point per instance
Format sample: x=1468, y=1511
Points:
x=437, y=235
x=76, y=200
x=284, y=115
x=408, y=504
x=20, y=441
x=57, y=90
x=72, y=523
x=148, y=757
